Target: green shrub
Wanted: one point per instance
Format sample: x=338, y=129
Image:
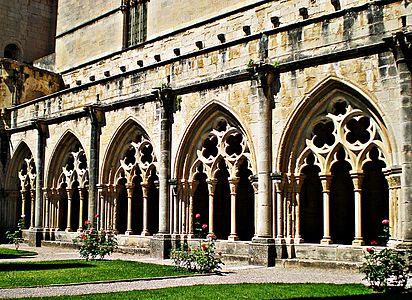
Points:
x=387, y=269
x=16, y=236
x=202, y=259
x=93, y=243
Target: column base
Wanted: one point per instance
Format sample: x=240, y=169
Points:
x=233, y=238
x=160, y=246
x=129, y=232
x=145, y=233
x=35, y=236
x=326, y=241
x=358, y=242
x=298, y=240
x=68, y=230
x=262, y=252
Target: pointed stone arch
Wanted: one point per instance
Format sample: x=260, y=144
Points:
x=207, y=167
x=331, y=136
x=66, y=185
x=128, y=193
x=20, y=186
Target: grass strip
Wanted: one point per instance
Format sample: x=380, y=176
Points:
x=249, y=291
x=6, y=253
x=19, y=274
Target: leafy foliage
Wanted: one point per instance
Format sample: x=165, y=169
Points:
x=387, y=269
x=16, y=237
x=94, y=243
x=202, y=259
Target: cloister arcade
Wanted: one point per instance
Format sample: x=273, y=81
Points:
x=332, y=186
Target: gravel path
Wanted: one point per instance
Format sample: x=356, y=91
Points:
x=230, y=274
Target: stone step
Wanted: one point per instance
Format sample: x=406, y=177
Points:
x=322, y=264
x=133, y=250
x=59, y=244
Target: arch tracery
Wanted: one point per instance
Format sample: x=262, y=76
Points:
x=337, y=139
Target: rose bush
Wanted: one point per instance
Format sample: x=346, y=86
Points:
x=93, y=243
x=386, y=269
x=202, y=259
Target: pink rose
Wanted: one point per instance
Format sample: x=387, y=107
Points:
x=374, y=243
x=197, y=216
x=96, y=216
x=204, y=226
x=87, y=222
x=385, y=222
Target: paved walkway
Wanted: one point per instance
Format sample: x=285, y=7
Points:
x=231, y=274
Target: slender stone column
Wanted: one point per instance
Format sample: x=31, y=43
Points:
x=69, y=210
x=115, y=193
x=23, y=205
x=357, y=183
x=97, y=121
x=130, y=189
x=81, y=204
x=145, y=189
x=297, y=189
x=233, y=182
x=211, y=185
x=175, y=212
x=192, y=188
x=253, y=180
x=184, y=207
x=289, y=212
x=103, y=207
x=46, y=197
x=326, y=181
x=32, y=208
x=279, y=204
x=394, y=182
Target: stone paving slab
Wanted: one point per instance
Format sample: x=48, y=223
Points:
x=232, y=273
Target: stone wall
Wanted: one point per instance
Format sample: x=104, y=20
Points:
x=30, y=24
x=28, y=82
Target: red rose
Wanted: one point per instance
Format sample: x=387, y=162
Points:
x=204, y=226
x=204, y=247
x=188, y=249
x=385, y=222
x=374, y=243
x=197, y=216
x=96, y=216
x=87, y=222
x=220, y=253
x=369, y=249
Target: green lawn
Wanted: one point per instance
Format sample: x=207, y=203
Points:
x=17, y=274
x=249, y=291
x=12, y=253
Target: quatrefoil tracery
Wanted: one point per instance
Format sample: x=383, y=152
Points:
x=75, y=172
x=139, y=155
x=223, y=142
x=27, y=174
x=341, y=127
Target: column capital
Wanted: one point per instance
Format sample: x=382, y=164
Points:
x=268, y=77
x=357, y=179
x=233, y=182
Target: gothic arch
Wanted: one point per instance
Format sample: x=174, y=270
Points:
x=317, y=101
x=67, y=182
x=128, y=195
x=201, y=124
x=20, y=185
x=128, y=131
x=339, y=137
x=214, y=155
